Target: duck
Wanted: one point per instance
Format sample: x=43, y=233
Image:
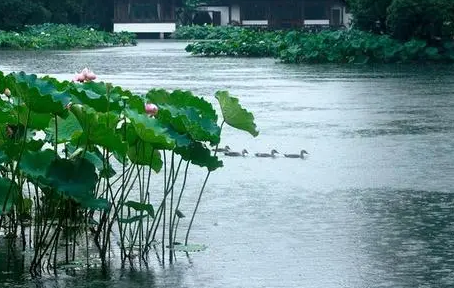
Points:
x=301, y=155
x=271, y=155
x=225, y=149
x=236, y=154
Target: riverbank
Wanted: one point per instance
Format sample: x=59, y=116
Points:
x=343, y=46
x=60, y=36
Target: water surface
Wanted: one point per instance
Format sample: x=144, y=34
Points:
x=372, y=206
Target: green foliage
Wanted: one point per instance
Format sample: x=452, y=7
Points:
x=370, y=15
x=94, y=132
x=425, y=19
x=59, y=36
x=14, y=14
x=350, y=46
x=245, y=43
x=208, y=32
x=405, y=19
x=235, y=115
x=8, y=194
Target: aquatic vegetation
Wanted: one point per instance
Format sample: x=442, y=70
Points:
x=87, y=164
x=246, y=43
x=352, y=46
x=60, y=36
x=207, y=32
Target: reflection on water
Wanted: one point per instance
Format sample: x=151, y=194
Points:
x=370, y=207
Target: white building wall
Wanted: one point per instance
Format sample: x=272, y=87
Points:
x=236, y=15
x=255, y=22
x=317, y=22
x=145, y=27
x=225, y=17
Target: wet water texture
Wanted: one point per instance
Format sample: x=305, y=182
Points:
x=372, y=205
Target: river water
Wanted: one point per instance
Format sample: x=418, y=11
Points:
x=372, y=205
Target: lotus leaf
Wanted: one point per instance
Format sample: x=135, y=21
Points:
x=142, y=207
x=94, y=95
x=144, y=153
x=8, y=194
x=235, y=115
x=150, y=130
x=199, y=155
x=99, y=128
x=39, y=95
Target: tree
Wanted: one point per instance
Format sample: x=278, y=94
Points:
x=425, y=19
x=14, y=14
x=370, y=15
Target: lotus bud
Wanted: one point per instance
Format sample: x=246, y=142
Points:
x=151, y=109
x=7, y=92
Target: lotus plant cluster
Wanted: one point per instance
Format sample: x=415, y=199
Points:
x=110, y=171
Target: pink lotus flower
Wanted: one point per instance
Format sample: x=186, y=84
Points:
x=84, y=76
x=151, y=109
x=7, y=92
x=79, y=77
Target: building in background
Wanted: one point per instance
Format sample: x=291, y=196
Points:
x=146, y=16
x=160, y=16
x=278, y=14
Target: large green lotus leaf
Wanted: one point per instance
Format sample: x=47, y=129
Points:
x=181, y=140
x=75, y=179
x=3, y=157
x=137, y=103
x=235, y=115
x=8, y=194
x=199, y=155
x=6, y=112
x=35, y=120
x=67, y=129
x=94, y=94
x=99, y=128
x=189, y=120
x=97, y=159
x=13, y=148
x=143, y=153
x=150, y=130
x=141, y=207
x=39, y=95
x=36, y=164
x=183, y=99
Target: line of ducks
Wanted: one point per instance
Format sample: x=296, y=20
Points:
x=227, y=152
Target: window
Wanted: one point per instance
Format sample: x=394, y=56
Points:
x=255, y=11
x=315, y=11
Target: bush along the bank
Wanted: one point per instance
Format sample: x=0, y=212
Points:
x=350, y=46
x=85, y=165
x=207, y=32
x=246, y=43
x=60, y=36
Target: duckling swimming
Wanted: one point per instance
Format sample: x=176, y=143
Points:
x=236, y=154
x=225, y=149
x=272, y=155
x=301, y=155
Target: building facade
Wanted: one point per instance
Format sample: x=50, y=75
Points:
x=145, y=16
x=160, y=16
x=280, y=14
